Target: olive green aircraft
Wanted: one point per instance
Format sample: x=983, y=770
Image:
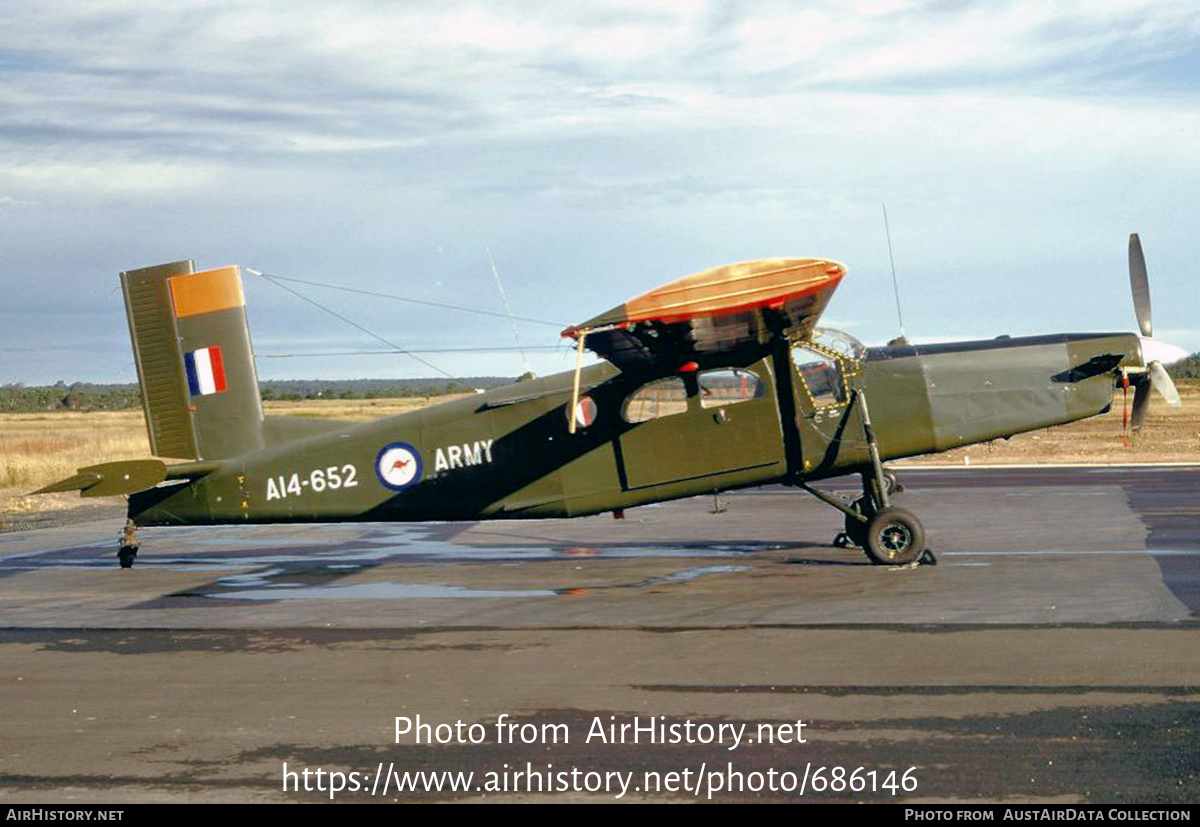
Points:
x=716, y=381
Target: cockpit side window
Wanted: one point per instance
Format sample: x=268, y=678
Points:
x=822, y=376
x=663, y=397
x=728, y=386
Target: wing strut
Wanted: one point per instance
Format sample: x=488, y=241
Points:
x=575, y=390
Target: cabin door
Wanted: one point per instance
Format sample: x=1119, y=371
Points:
x=702, y=429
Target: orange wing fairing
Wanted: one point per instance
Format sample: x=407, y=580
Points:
x=726, y=290
x=206, y=292
x=734, y=288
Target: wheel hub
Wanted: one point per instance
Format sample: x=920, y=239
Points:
x=895, y=539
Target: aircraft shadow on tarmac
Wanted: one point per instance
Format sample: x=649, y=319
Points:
x=303, y=572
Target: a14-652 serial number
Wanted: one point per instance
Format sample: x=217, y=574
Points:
x=319, y=479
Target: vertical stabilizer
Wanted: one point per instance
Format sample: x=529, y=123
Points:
x=194, y=360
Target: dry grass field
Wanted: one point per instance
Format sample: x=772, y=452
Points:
x=37, y=449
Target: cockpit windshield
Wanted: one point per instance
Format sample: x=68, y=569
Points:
x=838, y=340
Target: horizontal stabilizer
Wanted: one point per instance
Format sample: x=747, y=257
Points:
x=79, y=482
x=126, y=477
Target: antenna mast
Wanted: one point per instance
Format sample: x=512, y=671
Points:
x=508, y=310
x=895, y=284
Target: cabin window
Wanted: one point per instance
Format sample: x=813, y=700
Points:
x=822, y=376
x=729, y=386
x=663, y=397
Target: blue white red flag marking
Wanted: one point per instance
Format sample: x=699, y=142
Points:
x=205, y=371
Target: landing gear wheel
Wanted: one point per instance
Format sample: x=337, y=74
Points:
x=125, y=556
x=894, y=537
x=856, y=530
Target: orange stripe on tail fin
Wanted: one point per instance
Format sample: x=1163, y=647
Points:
x=206, y=292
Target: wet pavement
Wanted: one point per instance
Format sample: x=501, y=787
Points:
x=1053, y=653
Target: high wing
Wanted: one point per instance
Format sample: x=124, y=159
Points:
x=728, y=308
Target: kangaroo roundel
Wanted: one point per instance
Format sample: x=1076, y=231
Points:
x=398, y=466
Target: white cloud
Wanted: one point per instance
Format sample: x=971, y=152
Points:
x=338, y=77
x=625, y=140
x=105, y=178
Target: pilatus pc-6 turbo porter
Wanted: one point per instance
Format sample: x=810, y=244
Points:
x=715, y=381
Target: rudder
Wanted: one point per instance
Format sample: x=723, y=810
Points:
x=194, y=360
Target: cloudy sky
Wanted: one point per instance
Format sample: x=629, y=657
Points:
x=597, y=150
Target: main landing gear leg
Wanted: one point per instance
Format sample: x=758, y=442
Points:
x=890, y=536
x=128, y=548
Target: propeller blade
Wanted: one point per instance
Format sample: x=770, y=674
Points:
x=1140, y=284
x=1161, y=380
x=1141, y=404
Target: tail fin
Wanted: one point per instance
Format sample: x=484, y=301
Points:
x=194, y=360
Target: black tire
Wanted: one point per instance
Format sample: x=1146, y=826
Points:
x=856, y=530
x=894, y=537
x=125, y=556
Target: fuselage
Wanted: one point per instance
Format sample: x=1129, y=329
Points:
x=783, y=413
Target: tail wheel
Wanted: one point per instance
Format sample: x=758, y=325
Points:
x=894, y=537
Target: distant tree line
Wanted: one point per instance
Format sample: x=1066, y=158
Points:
x=1188, y=368
x=88, y=396
x=78, y=396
